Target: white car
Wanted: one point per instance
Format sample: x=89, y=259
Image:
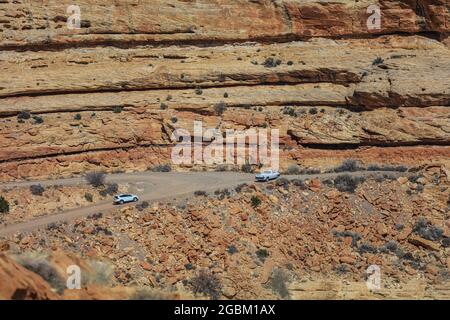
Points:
x=123, y=198
x=267, y=175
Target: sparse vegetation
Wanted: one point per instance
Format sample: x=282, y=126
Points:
x=313, y=110
x=37, y=190
x=117, y=109
x=38, y=264
x=262, y=254
x=427, y=231
x=292, y=169
x=198, y=91
x=256, y=201
x=95, y=178
x=163, y=106
x=271, y=62
x=348, y=165
x=199, y=193
x=110, y=189
x=24, y=115
x=247, y=168
x=77, y=117
x=162, y=168
x=174, y=119
x=232, y=249
x=4, y=205
x=38, y=119
x=377, y=61
x=206, y=283
x=220, y=108
x=278, y=281
x=347, y=183
x=88, y=197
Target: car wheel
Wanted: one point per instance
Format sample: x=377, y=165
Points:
x=267, y=179
x=121, y=202
x=135, y=199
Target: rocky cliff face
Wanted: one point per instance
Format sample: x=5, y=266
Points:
x=110, y=94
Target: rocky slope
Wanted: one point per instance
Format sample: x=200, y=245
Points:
x=109, y=96
x=298, y=240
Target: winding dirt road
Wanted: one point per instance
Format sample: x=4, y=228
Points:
x=149, y=186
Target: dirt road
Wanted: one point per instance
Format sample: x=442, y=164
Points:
x=149, y=186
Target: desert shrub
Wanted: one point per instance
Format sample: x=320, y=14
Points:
x=169, y=97
x=162, y=168
x=247, y=168
x=348, y=165
x=174, y=119
x=262, y=254
x=37, y=190
x=271, y=62
x=102, y=273
x=256, y=201
x=4, y=205
x=293, y=169
x=373, y=167
x=225, y=95
x=299, y=183
x=289, y=111
x=341, y=269
x=220, y=108
x=199, y=193
x=143, y=294
x=391, y=246
x=282, y=182
x=239, y=188
x=88, y=197
x=117, y=109
x=446, y=242
x=110, y=189
x=38, y=119
x=377, y=61
x=222, y=193
x=163, y=106
x=346, y=183
x=290, y=63
x=232, y=249
x=24, y=115
x=198, y=91
x=310, y=171
x=141, y=206
x=427, y=231
x=278, y=281
x=394, y=168
x=39, y=265
x=367, y=248
x=95, y=178
x=77, y=117
x=313, y=110
x=221, y=168
x=206, y=283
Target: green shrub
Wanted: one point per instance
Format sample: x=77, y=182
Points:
x=117, y=109
x=220, y=108
x=95, y=179
x=162, y=168
x=38, y=119
x=262, y=254
x=206, y=283
x=24, y=115
x=293, y=169
x=255, y=201
x=37, y=190
x=4, y=205
x=88, y=197
x=77, y=117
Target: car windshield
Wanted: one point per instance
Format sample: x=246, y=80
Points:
x=267, y=172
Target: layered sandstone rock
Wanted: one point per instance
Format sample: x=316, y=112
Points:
x=382, y=99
